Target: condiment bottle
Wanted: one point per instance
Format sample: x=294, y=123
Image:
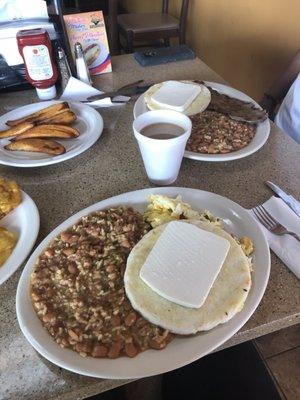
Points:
x=64, y=68
x=36, y=50
x=82, y=71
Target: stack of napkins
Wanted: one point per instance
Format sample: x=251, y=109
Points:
x=286, y=247
x=80, y=91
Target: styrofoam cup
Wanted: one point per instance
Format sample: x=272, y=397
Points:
x=162, y=157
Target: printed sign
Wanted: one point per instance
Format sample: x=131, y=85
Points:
x=89, y=30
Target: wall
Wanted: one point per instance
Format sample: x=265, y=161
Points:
x=248, y=42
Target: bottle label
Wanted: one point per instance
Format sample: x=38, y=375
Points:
x=38, y=62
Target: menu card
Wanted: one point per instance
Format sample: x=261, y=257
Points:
x=89, y=30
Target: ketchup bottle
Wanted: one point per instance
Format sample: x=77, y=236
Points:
x=36, y=50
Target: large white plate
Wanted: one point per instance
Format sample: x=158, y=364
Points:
x=24, y=220
x=89, y=123
x=182, y=350
x=260, y=138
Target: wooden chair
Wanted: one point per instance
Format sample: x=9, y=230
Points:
x=153, y=26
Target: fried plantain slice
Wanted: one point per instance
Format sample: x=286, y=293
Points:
x=37, y=145
x=64, y=128
x=64, y=118
x=8, y=241
x=10, y=196
x=48, y=131
x=16, y=130
x=44, y=117
x=45, y=113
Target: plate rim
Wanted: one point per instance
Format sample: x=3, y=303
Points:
x=35, y=225
x=100, y=205
x=63, y=157
x=235, y=155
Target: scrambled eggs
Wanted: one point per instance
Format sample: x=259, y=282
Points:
x=163, y=209
x=7, y=243
x=247, y=245
x=10, y=196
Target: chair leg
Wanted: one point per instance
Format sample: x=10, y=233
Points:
x=129, y=39
x=181, y=37
x=167, y=42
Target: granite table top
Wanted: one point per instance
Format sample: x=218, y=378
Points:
x=113, y=166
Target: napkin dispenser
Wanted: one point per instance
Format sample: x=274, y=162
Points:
x=12, y=69
x=56, y=10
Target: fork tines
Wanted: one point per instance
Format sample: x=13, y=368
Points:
x=264, y=217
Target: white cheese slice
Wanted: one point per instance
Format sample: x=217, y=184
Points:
x=184, y=263
x=176, y=95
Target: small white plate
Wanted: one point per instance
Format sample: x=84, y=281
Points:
x=260, y=138
x=24, y=221
x=182, y=350
x=89, y=123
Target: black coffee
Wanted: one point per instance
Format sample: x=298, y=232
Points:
x=162, y=130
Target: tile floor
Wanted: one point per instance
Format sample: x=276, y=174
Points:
x=281, y=352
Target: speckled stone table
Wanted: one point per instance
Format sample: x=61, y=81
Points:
x=113, y=166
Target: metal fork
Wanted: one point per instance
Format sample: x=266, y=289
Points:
x=271, y=224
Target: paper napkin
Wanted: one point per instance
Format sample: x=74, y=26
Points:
x=286, y=247
x=80, y=91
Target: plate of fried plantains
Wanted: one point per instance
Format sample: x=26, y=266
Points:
x=19, y=227
x=47, y=133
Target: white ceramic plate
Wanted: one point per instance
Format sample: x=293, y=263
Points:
x=261, y=136
x=24, y=220
x=180, y=351
x=89, y=123
x=102, y=56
